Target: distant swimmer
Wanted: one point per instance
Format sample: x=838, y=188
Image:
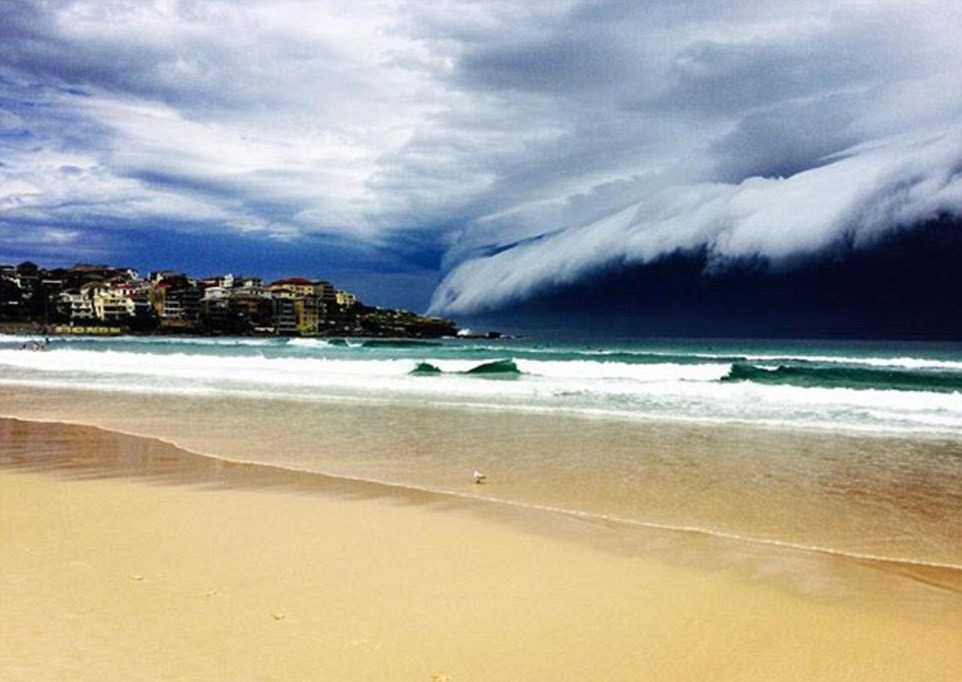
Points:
x=479, y=477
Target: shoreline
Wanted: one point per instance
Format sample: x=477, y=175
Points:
x=726, y=481
x=867, y=432
x=267, y=474
x=240, y=572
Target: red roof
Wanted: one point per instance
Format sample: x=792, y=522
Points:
x=293, y=280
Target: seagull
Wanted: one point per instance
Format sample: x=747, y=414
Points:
x=479, y=477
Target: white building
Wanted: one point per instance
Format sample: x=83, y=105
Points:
x=216, y=293
x=80, y=305
x=172, y=310
x=113, y=305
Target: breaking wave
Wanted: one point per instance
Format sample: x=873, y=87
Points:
x=847, y=377
x=900, y=393
x=499, y=368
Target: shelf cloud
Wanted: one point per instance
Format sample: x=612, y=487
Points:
x=506, y=148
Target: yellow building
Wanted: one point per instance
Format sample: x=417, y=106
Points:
x=309, y=312
x=292, y=287
x=112, y=305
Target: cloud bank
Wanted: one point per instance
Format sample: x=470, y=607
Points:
x=740, y=131
x=532, y=144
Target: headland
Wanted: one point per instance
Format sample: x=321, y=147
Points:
x=106, y=300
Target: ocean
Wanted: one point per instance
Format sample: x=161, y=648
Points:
x=851, y=448
x=859, y=387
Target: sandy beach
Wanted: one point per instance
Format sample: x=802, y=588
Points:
x=125, y=558
x=480, y=341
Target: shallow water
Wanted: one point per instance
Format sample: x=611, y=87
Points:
x=140, y=542
x=893, y=498
x=852, y=448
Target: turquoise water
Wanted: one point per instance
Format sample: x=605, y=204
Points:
x=853, y=448
x=884, y=387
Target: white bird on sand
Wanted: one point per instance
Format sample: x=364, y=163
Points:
x=479, y=477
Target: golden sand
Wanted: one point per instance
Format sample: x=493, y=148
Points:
x=126, y=560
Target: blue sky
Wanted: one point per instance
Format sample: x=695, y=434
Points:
x=464, y=156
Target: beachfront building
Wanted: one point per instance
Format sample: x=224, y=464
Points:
x=311, y=300
x=158, y=298
x=216, y=315
x=223, y=281
x=231, y=281
x=106, y=297
x=293, y=287
x=284, y=316
x=19, y=290
x=11, y=294
x=110, y=305
x=326, y=292
x=158, y=276
x=139, y=292
x=345, y=299
x=247, y=282
x=77, y=307
x=309, y=311
x=251, y=287
x=252, y=309
x=176, y=300
x=216, y=293
x=114, y=307
x=171, y=310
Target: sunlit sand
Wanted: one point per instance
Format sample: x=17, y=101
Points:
x=129, y=559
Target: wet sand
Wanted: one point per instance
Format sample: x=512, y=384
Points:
x=859, y=494
x=124, y=558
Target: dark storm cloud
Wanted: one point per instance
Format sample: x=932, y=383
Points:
x=740, y=129
x=521, y=145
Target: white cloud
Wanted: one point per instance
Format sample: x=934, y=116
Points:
x=534, y=142
x=279, y=109
x=858, y=198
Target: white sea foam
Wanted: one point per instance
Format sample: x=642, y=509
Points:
x=148, y=341
x=227, y=367
x=300, y=342
x=895, y=362
x=19, y=339
x=903, y=362
x=663, y=390
x=587, y=369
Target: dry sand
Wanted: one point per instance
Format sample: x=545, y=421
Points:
x=124, y=560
